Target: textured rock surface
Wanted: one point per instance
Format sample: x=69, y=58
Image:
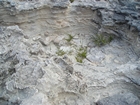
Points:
x=33, y=31
x=122, y=99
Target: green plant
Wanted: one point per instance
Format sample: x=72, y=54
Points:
x=70, y=37
x=60, y=52
x=81, y=54
x=80, y=60
x=110, y=38
x=101, y=40
x=71, y=1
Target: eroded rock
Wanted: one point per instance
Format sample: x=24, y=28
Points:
x=120, y=99
x=32, y=73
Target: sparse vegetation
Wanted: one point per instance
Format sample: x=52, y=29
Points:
x=70, y=52
x=71, y=1
x=81, y=54
x=110, y=38
x=60, y=52
x=101, y=40
x=70, y=37
x=80, y=60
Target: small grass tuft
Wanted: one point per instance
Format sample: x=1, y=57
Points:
x=71, y=1
x=110, y=38
x=70, y=37
x=101, y=40
x=80, y=60
x=81, y=54
x=60, y=52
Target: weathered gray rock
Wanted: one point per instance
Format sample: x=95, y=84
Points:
x=31, y=72
x=120, y=99
x=131, y=71
x=118, y=18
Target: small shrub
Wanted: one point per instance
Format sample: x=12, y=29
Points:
x=81, y=54
x=70, y=37
x=101, y=40
x=60, y=52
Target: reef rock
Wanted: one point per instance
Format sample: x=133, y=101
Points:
x=40, y=45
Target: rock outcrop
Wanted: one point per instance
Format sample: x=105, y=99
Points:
x=122, y=99
x=38, y=64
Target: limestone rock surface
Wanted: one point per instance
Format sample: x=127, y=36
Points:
x=40, y=41
x=122, y=99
